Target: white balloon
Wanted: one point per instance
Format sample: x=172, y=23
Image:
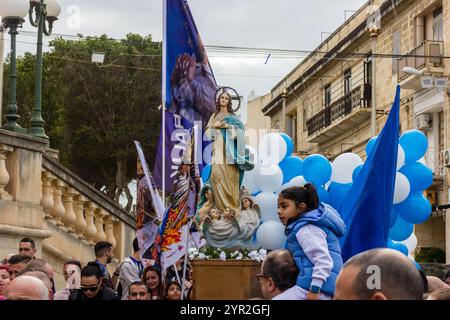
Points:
x=400, y=157
x=272, y=148
x=249, y=181
x=423, y=161
x=298, y=181
x=411, y=243
x=285, y=186
x=254, y=154
x=270, y=235
x=268, y=202
x=268, y=177
x=402, y=188
x=343, y=167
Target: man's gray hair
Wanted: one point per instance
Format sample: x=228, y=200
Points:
x=43, y=290
x=280, y=266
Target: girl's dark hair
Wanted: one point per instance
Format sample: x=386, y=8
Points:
x=158, y=272
x=229, y=106
x=169, y=283
x=307, y=195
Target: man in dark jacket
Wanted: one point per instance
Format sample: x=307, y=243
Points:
x=92, y=286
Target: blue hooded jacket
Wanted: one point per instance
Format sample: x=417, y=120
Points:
x=326, y=218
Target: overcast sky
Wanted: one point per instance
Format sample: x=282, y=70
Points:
x=279, y=24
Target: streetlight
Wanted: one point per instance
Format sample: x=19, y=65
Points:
x=13, y=13
x=44, y=11
x=374, y=29
x=284, y=94
x=374, y=32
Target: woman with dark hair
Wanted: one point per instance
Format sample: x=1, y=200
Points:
x=92, y=286
x=151, y=276
x=313, y=230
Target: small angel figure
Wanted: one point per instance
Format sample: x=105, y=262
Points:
x=215, y=215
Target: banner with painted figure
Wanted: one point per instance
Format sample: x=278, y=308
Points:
x=172, y=240
x=188, y=90
x=149, y=208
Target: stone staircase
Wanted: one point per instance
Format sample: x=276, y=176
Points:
x=41, y=199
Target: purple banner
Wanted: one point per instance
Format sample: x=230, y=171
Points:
x=188, y=90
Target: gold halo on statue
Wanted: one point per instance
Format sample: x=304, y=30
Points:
x=235, y=97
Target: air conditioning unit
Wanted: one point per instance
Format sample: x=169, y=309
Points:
x=423, y=122
x=446, y=157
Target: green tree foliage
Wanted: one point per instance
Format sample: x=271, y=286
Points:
x=93, y=112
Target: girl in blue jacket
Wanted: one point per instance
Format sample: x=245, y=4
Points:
x=312, y=230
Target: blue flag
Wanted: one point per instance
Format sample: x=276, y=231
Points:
x=366, y=209
x=188, y=91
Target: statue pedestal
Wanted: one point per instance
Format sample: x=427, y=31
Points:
x=225, y=280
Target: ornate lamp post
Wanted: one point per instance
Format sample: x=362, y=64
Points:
x=44, y=11
x=13, y=13
x=374, y=32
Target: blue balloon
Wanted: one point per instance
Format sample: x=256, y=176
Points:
x=256, y=193
x=420, y=176
x=393, y=219
x=415, y=145
x=415, y=209
x=323, y=194
x=401, y=230
x=292, y=167
x=370, y=144
x=398, y=246
x=289, y=144
x=317, y=169
x=338, y=192
x=206, y=172
x=356, y=172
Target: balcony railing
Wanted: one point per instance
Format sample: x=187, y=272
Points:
x=428, y=54
x=357, y=98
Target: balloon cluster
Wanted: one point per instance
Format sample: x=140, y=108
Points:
x=276, y=169
x=410, y=205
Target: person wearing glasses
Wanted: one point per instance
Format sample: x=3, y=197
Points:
x=278, y=276
x=27, y=247
x=92, y=286
x=138, y=290
x=17, y=263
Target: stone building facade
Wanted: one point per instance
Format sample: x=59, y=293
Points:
x=328, y=96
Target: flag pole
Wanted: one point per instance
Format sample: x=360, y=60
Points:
x=164, y=90
x=185, y=259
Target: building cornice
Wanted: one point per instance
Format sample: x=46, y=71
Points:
x=360, y=30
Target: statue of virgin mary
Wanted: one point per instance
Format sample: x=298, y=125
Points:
x=230, y=159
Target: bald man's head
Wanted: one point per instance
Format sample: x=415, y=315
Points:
x=27, y=288
x=379, y=274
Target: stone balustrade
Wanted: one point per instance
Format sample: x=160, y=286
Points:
x=80, y=210
x=66, y=216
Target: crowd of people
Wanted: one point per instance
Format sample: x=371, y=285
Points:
x=310, y=268
x=23, y=276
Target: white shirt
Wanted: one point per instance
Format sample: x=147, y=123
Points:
x=290, y=294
